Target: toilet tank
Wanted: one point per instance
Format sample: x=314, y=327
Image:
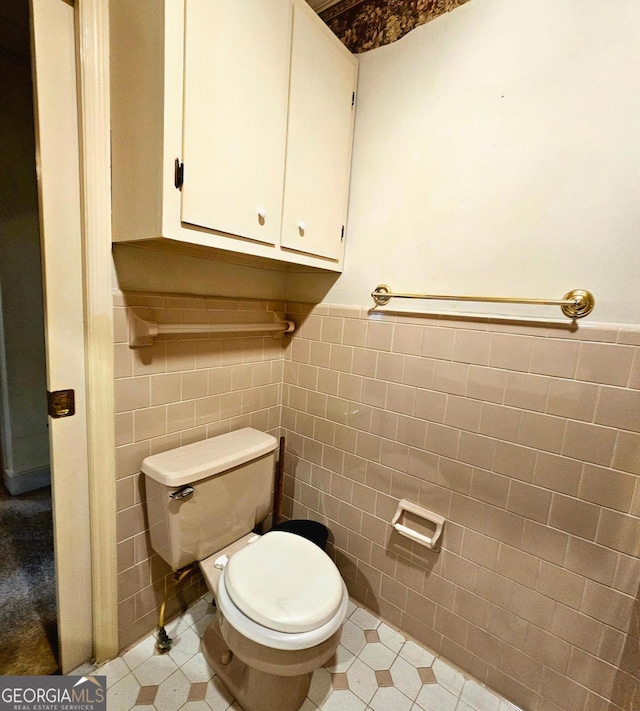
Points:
x=206, y=495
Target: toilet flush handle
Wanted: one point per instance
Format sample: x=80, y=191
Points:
x=184, y=493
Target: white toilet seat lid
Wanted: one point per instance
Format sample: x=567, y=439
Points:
x=271, y=638
x=284, y=582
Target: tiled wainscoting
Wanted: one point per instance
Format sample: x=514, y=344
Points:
x=172, y=393
x=525, y=438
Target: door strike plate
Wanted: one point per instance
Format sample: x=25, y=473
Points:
x=61, y=403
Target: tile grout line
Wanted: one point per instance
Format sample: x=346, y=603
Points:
x=133, y=694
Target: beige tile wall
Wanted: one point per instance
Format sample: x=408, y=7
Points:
x=527, y=439
x=177, y=391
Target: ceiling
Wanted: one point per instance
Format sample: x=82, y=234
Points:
x=366, y=24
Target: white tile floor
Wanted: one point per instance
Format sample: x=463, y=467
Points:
x=374, y=669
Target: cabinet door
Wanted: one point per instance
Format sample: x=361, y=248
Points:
x=323, y=77
x=235, y=115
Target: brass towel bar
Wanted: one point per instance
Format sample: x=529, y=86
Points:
x=576, y=304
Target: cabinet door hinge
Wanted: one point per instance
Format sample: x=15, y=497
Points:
x=342, y=234
x=353, y=99
x=178, y=174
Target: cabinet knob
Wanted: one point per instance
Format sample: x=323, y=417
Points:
x=302, y=226
x=262, y=213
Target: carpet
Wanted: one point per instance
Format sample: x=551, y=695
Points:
x=27, y=585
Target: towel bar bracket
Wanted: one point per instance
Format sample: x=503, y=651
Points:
x=583, y=303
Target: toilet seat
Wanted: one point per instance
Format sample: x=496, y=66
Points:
x=283, y=591
x=285, y=582
x=272, y=638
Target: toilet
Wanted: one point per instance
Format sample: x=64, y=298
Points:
x=281, y=600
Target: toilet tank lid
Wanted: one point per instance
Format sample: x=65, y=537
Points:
x=193, y=462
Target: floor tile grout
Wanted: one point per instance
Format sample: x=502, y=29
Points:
x=386, y=673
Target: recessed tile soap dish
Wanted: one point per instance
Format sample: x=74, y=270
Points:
x=418, y=524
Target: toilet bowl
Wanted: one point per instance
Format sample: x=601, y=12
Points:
x=280, y=599
x=281, y=603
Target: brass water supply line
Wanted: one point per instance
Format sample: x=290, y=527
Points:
x=164, y=642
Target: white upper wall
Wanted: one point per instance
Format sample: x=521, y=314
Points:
x=497, y=152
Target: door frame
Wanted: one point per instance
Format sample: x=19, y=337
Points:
x=92, y=42
x=75, y=207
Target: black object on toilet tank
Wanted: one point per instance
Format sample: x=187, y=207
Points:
x=313, y=531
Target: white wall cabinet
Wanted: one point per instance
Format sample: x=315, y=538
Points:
x=249, y=108
x=320, y=130
x=235, y=115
